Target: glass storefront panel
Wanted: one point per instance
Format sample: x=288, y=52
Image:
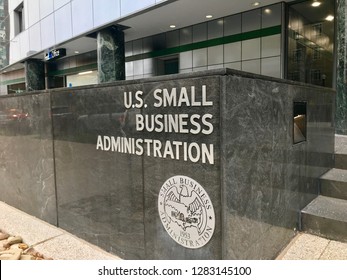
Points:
x=82, y=79
x=240, y=41
x=311, y=43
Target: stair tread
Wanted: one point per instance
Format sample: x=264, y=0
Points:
x=335, y=174
x=328, y=207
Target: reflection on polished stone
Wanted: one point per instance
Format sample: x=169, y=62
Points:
x=35, y=74
x=111, y=56
x=26, y=161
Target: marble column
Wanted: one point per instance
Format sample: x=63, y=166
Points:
x=111, y=57
x=341, y=75
x=34, y=74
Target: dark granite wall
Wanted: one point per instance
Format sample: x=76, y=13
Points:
x=257, y=183
x=26, y=155
x=341, y=72
x=266, y=179
x=100, y=194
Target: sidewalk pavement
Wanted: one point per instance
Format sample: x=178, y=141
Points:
x=310, y=247
x=47, y=239
x=58, y=244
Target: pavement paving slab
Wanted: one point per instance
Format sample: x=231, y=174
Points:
x=310, y=247
x=51, y=241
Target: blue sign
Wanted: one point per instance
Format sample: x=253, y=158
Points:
x=54, y=54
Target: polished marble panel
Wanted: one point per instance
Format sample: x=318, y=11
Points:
x=159, y=245
x=266, y=179
x=341, y=88
x=35, y=75
x=258, y=180
x=111, y=55
x=100, y=193
x=26, y=155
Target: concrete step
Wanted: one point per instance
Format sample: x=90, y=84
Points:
x=334, y=183
x=326, y=217
x=341, y=151
x=341, y=161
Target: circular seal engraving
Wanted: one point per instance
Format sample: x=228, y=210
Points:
x=186, y=211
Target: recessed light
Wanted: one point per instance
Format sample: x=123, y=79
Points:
x=209, y=16
x=172, y=26
x=255, y=4
x=85, y=73
x=76, y=52
x=329, y=18
x=316, y=4
x=267, y=11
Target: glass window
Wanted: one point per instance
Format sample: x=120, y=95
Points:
x=215, y=66
x=271, y=66
x=251, y=20
x=311, y=43
x=199, y=32
x=138, y=67
x=215, y=29
x=147, y=44
x=168, y=65
x=232, y=25
x=159, y=42
x=128, y=48
x=129, y=69
x=199, y=57
x=186, y=35
x=251, y=66
x=186, y=60
x=271, y=15
x=232, y=52
x=137, y=47
x=215, y=55
x=251, y=49
x=19, y=25
x=233, y=65
x=172, y=39
x=271, y=45
x=82, y=79
x=202, y=68
x=16, y=88
x=149, y=66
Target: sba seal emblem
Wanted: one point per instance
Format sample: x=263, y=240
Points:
x=186, y=211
